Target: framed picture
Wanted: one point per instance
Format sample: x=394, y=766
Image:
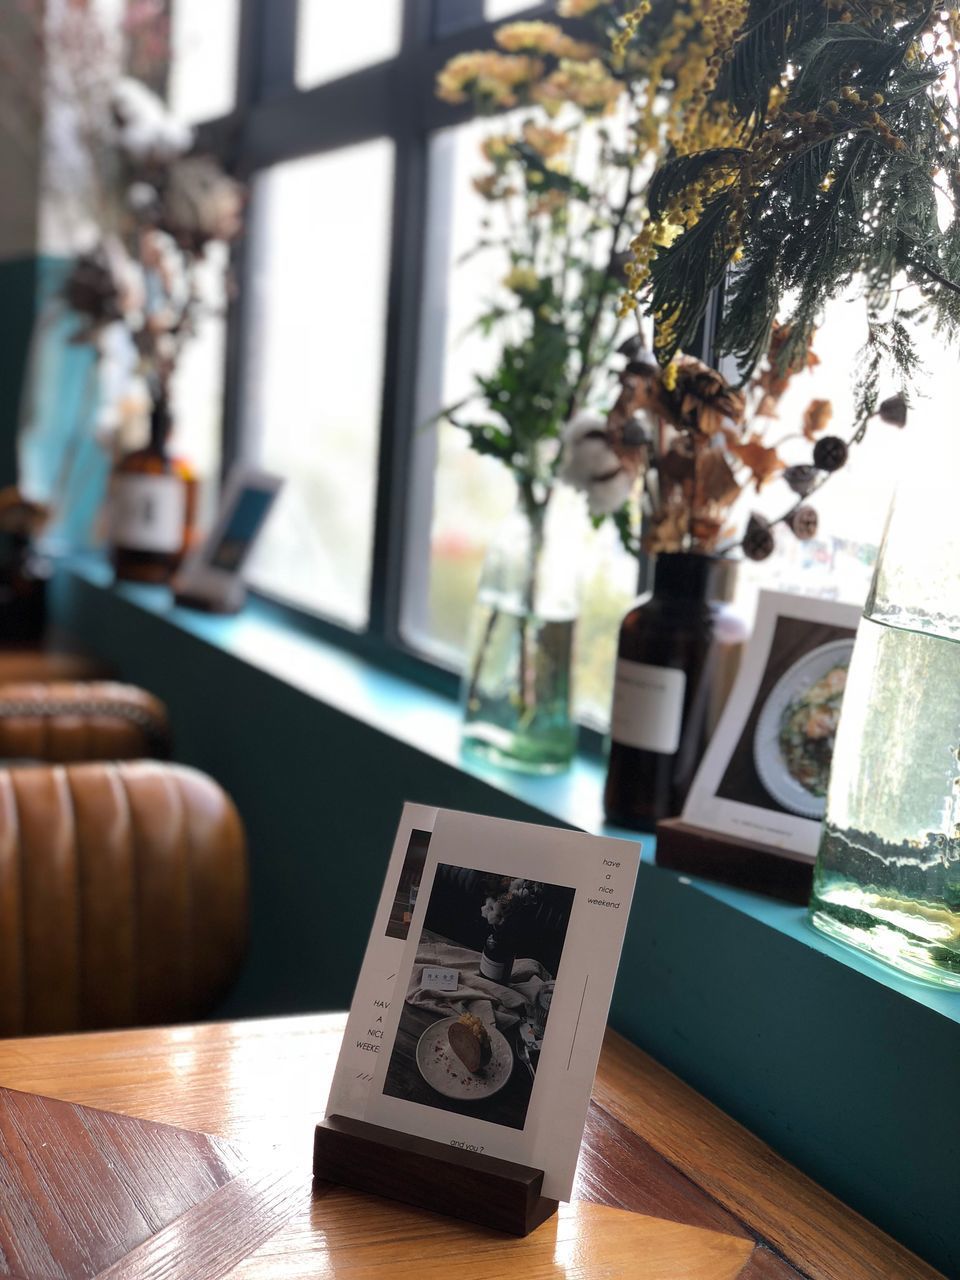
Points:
x=764, y=776
x=212, y=576
x=482, y=1001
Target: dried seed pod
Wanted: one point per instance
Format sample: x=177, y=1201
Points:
x=675, y=465
x=829, y=453
x=803, y=522
x=758, y=539
x=801, y=479
x=894, y=410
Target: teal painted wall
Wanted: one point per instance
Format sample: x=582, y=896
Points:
x=827, y=1059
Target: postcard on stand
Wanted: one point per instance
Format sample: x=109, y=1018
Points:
x=481, y=1028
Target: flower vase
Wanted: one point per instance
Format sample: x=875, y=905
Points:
x=516, y=694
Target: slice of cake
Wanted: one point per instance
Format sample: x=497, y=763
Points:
x=470, y=1041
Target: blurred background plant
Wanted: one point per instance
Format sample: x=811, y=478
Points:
x=142, y=211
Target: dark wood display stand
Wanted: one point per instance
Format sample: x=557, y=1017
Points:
x=744, y=863
x=462, y=1184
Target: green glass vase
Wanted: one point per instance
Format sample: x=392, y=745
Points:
x=517, y=686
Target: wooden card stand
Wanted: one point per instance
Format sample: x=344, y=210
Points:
x=744, y=863
x=462, y=1184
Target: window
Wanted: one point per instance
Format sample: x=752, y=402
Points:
x=197, y=396
x=334, y=40
x=203, y=64
x=498, y=10
x=313, y=370
x=351, y=331
x=838, y=562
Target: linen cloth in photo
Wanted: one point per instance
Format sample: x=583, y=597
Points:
x=492, y=1002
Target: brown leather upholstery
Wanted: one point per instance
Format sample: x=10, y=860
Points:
x=65, y=722
x=123, y=896
x=20, y=665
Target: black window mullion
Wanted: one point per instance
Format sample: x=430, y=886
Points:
x=278, y=48
x=397, y=423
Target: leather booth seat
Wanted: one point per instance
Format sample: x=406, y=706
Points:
x=123, y=896
x=66, y=721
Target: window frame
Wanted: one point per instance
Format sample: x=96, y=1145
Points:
x=273, y=120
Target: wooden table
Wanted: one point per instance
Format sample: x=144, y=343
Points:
x=668, y=1188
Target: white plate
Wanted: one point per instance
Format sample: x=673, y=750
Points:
x=779, y=782
x=443, y=1070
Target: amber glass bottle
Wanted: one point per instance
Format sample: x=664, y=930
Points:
x=661, y=694
x=153, y=498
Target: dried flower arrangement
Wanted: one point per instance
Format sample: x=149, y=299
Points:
x=688, y=447
x=506, y=900
x=143, y=206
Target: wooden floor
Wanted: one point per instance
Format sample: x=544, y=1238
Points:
x=668, y=1188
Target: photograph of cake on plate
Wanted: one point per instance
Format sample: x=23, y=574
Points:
x=479, y=994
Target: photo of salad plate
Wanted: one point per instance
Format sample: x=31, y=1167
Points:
x=796, y=729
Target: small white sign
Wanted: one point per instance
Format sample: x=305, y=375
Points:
x=441, y=979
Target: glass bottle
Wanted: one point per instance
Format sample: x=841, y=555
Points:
x=153, y=498
x=887, y=877
x=497, y=957
x=517, y=686
x=661, y=693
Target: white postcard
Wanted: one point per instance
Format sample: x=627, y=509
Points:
x=493, y=1028
x=764, y=775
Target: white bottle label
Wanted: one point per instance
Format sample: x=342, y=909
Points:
x=495, y=970
x=148, y=513
x=647, y=706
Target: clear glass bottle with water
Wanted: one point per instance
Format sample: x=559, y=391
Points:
x=887, y=877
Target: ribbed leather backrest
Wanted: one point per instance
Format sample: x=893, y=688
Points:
x=123, y=896
x=66, y=721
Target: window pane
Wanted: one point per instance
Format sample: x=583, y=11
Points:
x=852, y=505
x=335, y=39
x=313, y=369
x=203, y=68
x=497, y=9
x=469, y=495
x=198, y=380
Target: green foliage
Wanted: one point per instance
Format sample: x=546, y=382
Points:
x=847, y=131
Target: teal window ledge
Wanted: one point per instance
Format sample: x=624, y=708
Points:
x=846, y=1068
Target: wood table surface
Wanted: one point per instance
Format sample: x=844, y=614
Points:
x=668, y=1187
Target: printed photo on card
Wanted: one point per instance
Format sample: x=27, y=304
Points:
x=457, y=1046
x=494, y=1031
x=764, y=774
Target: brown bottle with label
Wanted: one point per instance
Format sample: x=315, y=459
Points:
x=661, y=693
x=153, y=499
